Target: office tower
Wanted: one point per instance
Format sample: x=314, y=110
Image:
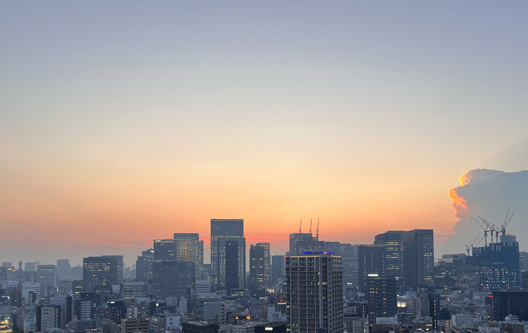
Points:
x=46, y=274
x=186, y=278
x=510, y=302
x=201, y=260
x=120, y=266
x=30, y=266
x=63, y=270
x=223, y=228
x=382, y=297
x=371, y=260
x=164, y=269
x=144, y=266
x=188, y=249
x=259, y=268
x=101, y=272
x=164, y=249
x=418, y=257
x=393, y=241
x=301, y=242
x=48, y=317
x=499, y=265
x=232, y=264
x=278, y=268
x=314, y=293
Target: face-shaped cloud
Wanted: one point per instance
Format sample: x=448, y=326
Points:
x=489, y=194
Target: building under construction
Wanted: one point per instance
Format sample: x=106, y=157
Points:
x=498, y=260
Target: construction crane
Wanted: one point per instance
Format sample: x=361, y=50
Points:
x=486, y=230
x=474, y=243
x=492, y=227
x=506, y=222
x=300, y=227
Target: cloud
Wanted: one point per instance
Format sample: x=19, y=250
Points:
x=489, y=193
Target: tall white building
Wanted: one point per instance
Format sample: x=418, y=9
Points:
x=314, y=292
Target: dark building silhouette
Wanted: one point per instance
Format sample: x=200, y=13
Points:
x=278, y=269
x=234, y=230
x=510, y=302
x=371, y=260
x=164, y=269
x=418, y=258
x=101, y=272
x=259, y=268
x=393, y=241
x=144, y=266
x=232, y=264
x=382, y=301
x=301, y=242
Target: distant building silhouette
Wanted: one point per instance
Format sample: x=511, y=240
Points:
x=234, y=230
x=418, y=257
x=259, y=269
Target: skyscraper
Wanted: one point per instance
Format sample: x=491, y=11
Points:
x=418, y=257
x=381, y=297
x=314, y=293
x=371, y=260
x=259, y=268
x=393, y=241
x=101, y=272
x=301, y=242
x=188, y=249
x=232, y=264
x=223, y=228
x=164, y=269
x=277, y=268
x=144, y=265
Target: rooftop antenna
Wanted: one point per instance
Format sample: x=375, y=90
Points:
x=310, y=226
x=300, y=226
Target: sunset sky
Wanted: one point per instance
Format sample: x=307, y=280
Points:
x=125, y=121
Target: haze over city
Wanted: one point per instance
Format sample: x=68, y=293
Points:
x=126, y=122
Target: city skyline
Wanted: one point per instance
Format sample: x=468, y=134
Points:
x=142, y=120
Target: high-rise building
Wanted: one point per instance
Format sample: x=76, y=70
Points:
x=63, y=270
x=144, y=265
x=164, y=249
x=371, y=260
x=278, y=269
x=510, y=303
x=223, y=228
x=381, y=297
x=188, y=249
x=301, y=242
x=259, y=268
x=499, y=265
x=393, y=241
x=314, y=293
x=120, y=266
x=418, y=257
x=47, y=274
x=101, y=272
x=232, y=264
x=164, y=269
